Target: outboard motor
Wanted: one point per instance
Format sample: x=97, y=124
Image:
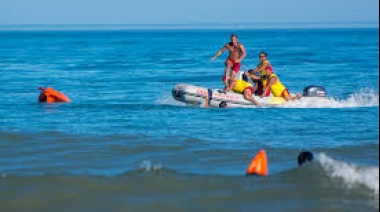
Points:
x=314, y=91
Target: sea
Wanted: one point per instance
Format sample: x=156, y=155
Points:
x=124, y=143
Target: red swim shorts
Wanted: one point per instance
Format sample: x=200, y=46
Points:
x=249, y=88
x=285, y=94
x=235, y=66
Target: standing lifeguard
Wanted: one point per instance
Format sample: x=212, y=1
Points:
x=237, y=54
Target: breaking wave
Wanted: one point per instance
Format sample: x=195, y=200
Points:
x=351, y=174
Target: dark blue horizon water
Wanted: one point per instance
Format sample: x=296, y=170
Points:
x=245, y=26
x=124, y=125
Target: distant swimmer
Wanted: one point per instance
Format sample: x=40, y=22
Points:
x=305, y=157
x=237, y=54
x=261, y=68
x=277, y=88
x=49, y=95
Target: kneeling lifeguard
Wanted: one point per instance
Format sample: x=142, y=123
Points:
x=277, y=89
x=242, y=87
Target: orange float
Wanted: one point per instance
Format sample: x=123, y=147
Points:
x=49, y=95
x=259, y=165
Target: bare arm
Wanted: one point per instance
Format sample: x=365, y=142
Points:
x=207, y=100
x=252, y=76
x=207, y=104
x=244, y=53
x=220, y=52
x=260, y=69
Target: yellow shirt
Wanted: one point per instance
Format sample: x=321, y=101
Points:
x=263, y=72
x=241, y=85
x=261, y=64
x=278, y=88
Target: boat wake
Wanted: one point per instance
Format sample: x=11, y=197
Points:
x=364, y=98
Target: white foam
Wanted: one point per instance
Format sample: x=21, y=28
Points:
x=148, y=166
x=352, y=175
x=364, y=98
x=169, y=101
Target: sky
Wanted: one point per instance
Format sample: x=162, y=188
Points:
x=51, y=12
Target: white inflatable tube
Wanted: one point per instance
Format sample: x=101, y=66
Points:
x=195, y=95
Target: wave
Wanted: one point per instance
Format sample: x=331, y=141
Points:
x=351, y=174
x=148, y=166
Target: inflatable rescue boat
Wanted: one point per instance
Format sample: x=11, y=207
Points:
x=195, y=95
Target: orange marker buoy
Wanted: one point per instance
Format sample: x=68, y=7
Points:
x=49, y=95
x=259, y=165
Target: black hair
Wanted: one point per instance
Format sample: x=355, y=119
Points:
x=234, y=36
x=264, y=53
x=305, y=157
x=223, y=104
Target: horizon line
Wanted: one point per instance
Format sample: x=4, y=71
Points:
x=195, y=26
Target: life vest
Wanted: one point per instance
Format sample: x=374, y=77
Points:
x=49, y=95
x=261, y=64
x=278, y=88
x=241, y=85
x=263, y=73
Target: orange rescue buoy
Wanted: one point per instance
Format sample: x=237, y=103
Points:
x=259, y=165
x=49, y=95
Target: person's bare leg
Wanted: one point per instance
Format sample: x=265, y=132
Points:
x=229, y=65
x=248, y=96
x=231, y=86
x=298, y=97
x=232, y=81
x=287, y=96
x=207, y=100
x=290, y=98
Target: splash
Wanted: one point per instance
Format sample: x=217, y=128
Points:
x=352, y=175
x=364, y=98
x=168, y=100
x=149, y=167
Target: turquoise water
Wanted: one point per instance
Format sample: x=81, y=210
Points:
x=124, y=140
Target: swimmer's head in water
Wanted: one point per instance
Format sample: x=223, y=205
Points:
x=223, y=104
x=305, y=157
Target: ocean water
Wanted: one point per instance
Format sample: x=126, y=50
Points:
x=124, y=144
